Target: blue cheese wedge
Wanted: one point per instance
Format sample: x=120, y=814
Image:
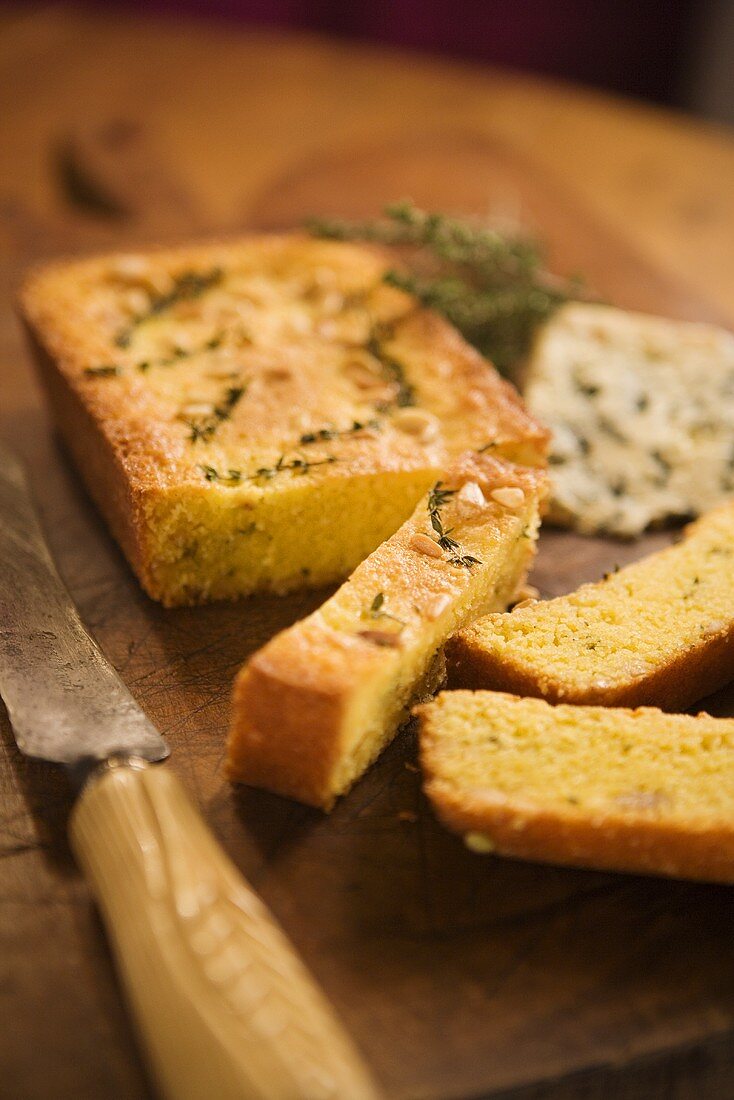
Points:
x=642, y=415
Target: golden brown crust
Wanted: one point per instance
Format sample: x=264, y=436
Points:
x=99, y=461
x=293, y=726
x=639, y=847
x=136, y=446
x=289, y=708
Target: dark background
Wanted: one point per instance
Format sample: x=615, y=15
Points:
x=678, y=53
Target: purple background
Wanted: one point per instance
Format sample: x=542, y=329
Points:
x=644, y=48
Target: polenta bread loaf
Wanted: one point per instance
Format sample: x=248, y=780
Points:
x=642, y=414
x=315, y=706
x=659, y=632
x=622, y=790
x=259, y=414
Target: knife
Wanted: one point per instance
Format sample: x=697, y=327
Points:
x=223, y=1006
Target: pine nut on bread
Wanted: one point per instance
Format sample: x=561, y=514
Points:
x=317, y=704
x=219, y=399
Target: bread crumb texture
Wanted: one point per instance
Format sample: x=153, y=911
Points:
x=259, y=414
x=602, y=787
x=658, y=631
x=317, y=704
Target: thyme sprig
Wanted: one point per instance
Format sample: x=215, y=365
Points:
x=205, y=427
x=264, y=473
x=492, y=286
x=186, y=286
x=296, y=465
x=393, y=371
x=323, y=435
x=111, y=370
x=231, y=477
x=107, y=370
x=437, y=498
x=377, y=610
x=178, y=353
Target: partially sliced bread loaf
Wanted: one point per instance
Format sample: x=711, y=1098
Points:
x=642, y=414
x=220, y=399
x=659, y=632
x=315, y=706
x=623, y=790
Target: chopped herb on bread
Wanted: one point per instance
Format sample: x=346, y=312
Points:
x=220, y=399
x=316, y=705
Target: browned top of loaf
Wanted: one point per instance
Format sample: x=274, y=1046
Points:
x=226, y=356
x=325, y=651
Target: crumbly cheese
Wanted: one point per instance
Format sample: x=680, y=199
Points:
x=642, y=415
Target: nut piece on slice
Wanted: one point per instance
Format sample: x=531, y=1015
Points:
x=259, y=414
x=622, y=790
x=316, y=705
x=659, y=632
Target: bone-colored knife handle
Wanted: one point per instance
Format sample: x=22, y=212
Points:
x=222, y=1003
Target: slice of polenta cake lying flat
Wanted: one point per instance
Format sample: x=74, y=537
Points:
x=317, y=704
x=622, y=790
x=259, y=414
x=659, y=632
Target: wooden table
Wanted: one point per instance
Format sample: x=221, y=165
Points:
x=459, y=976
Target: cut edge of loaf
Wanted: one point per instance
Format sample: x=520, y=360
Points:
x=127, y=485
x=296, y=698
x=689, y=676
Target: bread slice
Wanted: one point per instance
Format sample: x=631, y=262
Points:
x=316, y=705
x=621, y=790
x=642, y=414
x=220, y=399
x=659, y=632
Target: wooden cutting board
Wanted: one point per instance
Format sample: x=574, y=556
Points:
x=460, y=976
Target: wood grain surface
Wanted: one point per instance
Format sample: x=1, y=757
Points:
x=459, y=976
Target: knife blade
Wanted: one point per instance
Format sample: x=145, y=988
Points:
x=66, y=703
x=223, y=1005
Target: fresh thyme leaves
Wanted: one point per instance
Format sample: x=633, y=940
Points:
x=265, y=473
x=232, y=477
x=177, y=354
x=376, y=610
x=393, y=371
x=492, y=286
x=180, y=353
x=187, y=285
x=323, y=435
x=437, y=498
x=297, y=465
x=488, y=447
x=205, y=427
x=108, y=370
x=377, y=604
